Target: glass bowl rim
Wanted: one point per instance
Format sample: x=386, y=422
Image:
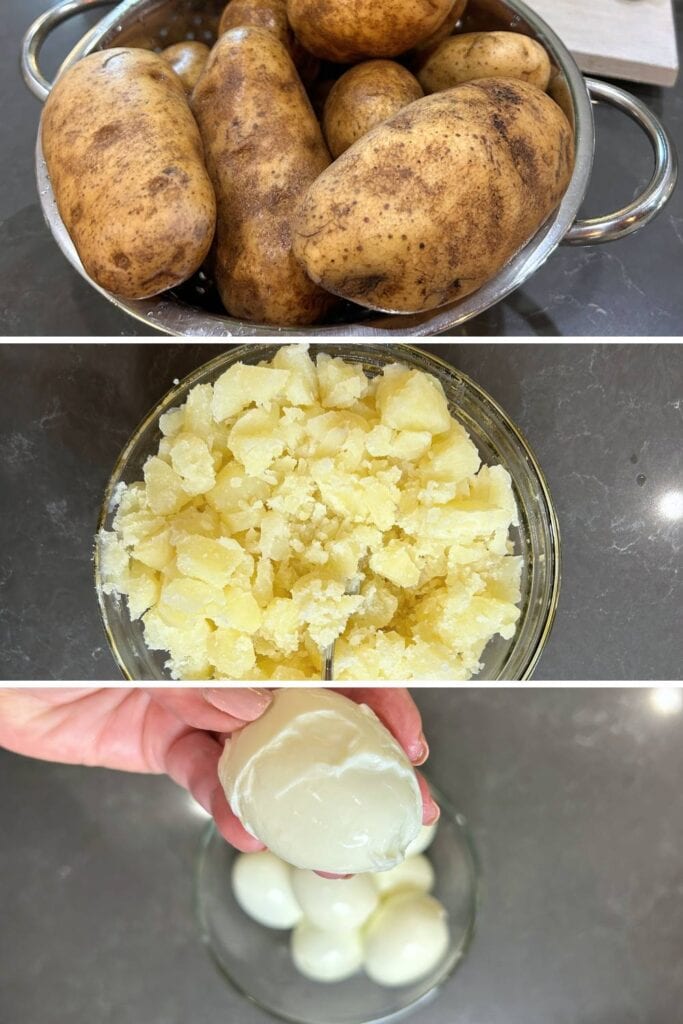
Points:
x=238, y=352
x=459, y=821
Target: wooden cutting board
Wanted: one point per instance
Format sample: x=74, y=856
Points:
x=633, y=39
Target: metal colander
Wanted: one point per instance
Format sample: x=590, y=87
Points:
x=194, y=309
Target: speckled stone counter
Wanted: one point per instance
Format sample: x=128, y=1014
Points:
x=604, y=420
x=630, y=287
x=573, y=798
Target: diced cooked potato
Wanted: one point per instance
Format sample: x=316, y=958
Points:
x=156, y=551
x=113, y=560
x=302, y=385
x=165, y=491
x=253, y=442
x=171, y=422
x=411, y=400
x=212, y=561
x=198, y=411
x=191, y=459
x=341, y=384
x=190, y=597
x=143, y=589
x=234, y=489
x=231, y=653
x=243, y=385
x=452, y=457
x=239, y=611
x=279, y=491
x=395, y=563
x=281, y=624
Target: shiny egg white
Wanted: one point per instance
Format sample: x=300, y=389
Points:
x=262, y=885
x=324, y=955
x=405, y=939
x=415, y=874
x=335, y=904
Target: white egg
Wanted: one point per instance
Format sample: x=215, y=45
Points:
x=262, y=885
x=415, y=874
x=335, y=904
x=422, y=840
x=321, y=782
x=405, y=939
x=324, y=955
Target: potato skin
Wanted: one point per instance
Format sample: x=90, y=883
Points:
x=351, y=30
x=268, y=14
x=127, y=168
x=363, y=97
x=264, y=147
x=473, y=55
x=187, y=60
x=272, y=16
x=428, y=45
x=434, y=202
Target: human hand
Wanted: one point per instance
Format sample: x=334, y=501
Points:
x=178, y=732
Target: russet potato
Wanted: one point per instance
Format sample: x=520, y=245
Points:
x=264, y=147
x=353, y=30
x=187, y=60
x=363, y=97
x=126, y=166
x=474, y=55
x=267, y=14
x=272, y=16
x=435, y=201
x=444, y=30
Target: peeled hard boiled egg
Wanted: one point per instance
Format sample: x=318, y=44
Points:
x=335, y=904
x=320, y=781
x=405, y=939
x=415, y=874
x=422, y=840
x=262, y=886
x=324, y=955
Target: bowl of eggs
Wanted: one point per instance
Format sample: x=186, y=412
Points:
x=326, y=787
x=314, y=950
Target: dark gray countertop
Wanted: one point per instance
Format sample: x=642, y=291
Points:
x=604, y=420
x=574, y=800
x=630, y=287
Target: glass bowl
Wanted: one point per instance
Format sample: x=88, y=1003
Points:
x=256, y=960
x=537, y=538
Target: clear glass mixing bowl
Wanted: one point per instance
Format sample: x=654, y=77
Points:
x=256, y=960
x=537, y=538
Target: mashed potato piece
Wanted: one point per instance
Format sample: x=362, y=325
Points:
x=280, y=485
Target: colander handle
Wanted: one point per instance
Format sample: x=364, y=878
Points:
x=38, y=32
x=658, y=191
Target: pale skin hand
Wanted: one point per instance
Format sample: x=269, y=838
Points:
x=177, y=732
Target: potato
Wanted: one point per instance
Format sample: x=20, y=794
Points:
x=187, y=60
x=267, y=14
x=474, y=55
x=352, y=30
x=264, y=147
x=126, y=165
x=428, y=45
x=363, y=97
x=272, y=16
x=435, y=201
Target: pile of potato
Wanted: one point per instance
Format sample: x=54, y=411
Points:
x=437, y=154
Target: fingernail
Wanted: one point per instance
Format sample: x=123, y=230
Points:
x=421, y=750
x=432, y=815
x=246, y=703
